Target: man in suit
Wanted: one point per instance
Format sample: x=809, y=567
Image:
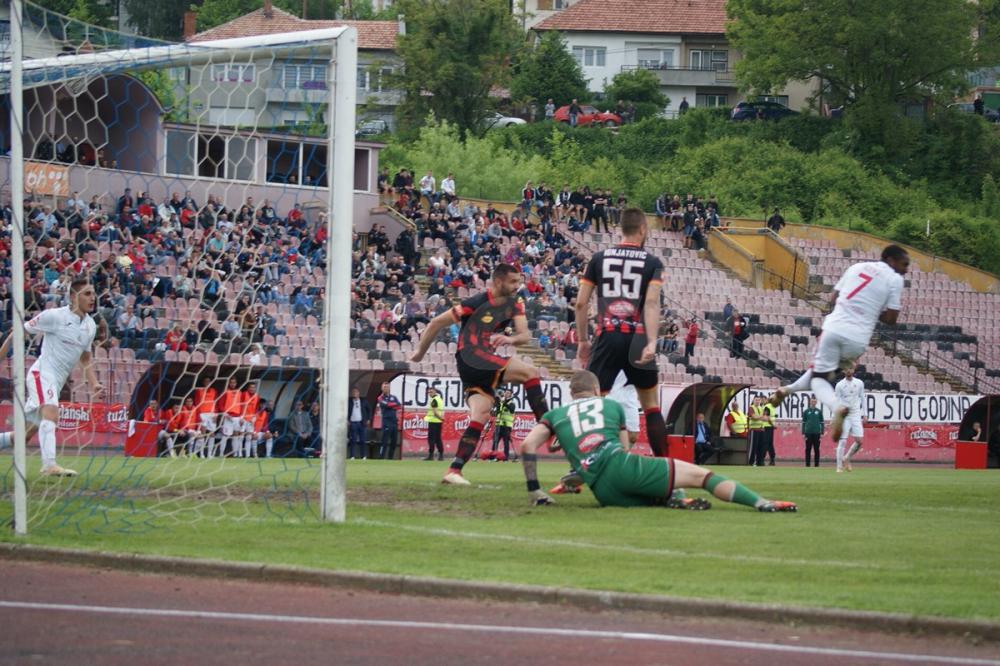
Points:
x=389, y=406
x=703, y=447
x=359, y=416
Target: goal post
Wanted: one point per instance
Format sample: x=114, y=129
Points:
x=227, y=122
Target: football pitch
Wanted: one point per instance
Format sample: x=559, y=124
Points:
x=922, y=541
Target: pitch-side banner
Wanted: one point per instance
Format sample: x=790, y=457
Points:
x=882, y=407
x=87, y=417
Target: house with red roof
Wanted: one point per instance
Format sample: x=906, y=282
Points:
x=682, y=41
x=265, y=90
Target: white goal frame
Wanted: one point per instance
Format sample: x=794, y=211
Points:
x=341, y=100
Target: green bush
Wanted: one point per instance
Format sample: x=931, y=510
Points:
x=799, y=164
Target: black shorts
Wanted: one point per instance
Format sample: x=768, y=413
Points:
x=614, y=352
x=480, y=370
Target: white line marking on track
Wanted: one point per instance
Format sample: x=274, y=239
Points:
x=632, y=550
x=492, y=629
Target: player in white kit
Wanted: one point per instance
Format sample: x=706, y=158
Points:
x=867, y=293
x=850, y=392
x=68, y=338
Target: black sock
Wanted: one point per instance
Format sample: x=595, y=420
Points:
x=656, y=429
x=467, y=445
x=536, y=399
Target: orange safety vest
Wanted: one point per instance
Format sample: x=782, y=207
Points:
x=260, y=424
x=204, y=400
x=250, y=403
x=190, y=420
x=232, y=403
x=178, y=421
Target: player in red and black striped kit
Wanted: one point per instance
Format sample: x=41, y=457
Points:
x=627, y=280
x=484, y=320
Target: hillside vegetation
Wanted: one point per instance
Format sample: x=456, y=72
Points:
x=944, y=170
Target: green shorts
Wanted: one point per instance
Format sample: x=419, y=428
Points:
x=632, y=480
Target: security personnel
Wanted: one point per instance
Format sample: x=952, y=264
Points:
x=769, y=412
x=434, y=419
x=758, y=420
x=503, y=413
x=737, y=420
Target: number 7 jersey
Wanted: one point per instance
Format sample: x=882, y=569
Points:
x=621, y=276
x=864, y=292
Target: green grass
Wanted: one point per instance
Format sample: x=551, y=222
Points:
x=921, y=541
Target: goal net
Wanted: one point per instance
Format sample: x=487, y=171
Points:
x=205, y=191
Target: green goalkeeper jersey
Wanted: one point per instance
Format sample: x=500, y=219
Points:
x=588, y=432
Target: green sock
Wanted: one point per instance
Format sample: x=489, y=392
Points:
x=738, y=493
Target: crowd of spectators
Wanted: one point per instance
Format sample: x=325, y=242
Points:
x=146, y=255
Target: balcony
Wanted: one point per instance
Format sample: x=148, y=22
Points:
x=684, y=76
x=310, y=92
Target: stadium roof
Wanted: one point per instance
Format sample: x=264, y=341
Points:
x=372, y=35
x=702, y=17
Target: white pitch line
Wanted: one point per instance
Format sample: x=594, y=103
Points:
x=632, y=550
x=701, y=641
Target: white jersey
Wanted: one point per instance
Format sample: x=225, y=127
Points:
x=851, y=393
x=67, y=337
x=624, y=394
x=864, y=292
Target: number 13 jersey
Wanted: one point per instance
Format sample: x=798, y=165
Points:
x=864, y=292
x=621, y=275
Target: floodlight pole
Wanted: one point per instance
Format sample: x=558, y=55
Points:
x=341, y=84
x=17, y=261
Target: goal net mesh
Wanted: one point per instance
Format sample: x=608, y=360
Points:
x=189, y=183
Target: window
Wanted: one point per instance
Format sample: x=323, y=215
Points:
x=561, y=4
x=656, y=58
x=545, y=5
x=292, y=77
x=777, y=99
x=234, y=72
x=217, y=156
x=712, y=100
x=314, y=164
x=710, y=59
x=590, y=56
x=180, y=153
x=283, y=161
x=372, y=80
x=179, y=75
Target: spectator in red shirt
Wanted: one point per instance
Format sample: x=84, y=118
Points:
x=175, y=338
x=691, y=338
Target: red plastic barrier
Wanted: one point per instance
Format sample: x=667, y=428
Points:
x=681, y=447
x=141, y=442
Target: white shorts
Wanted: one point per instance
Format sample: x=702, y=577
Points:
x=42, y=389
x=207, y=421
x=853, y=426
x=835, y=352
x=629, y=400
x=231, y=425
x=247, y=427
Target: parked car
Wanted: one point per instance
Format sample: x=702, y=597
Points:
x=589, y=116
x=748, y=110
x=494, y=119
x=371, y=128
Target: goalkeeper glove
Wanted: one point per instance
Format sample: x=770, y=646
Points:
x=539, y=498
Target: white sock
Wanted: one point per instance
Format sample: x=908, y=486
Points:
x=269, y=446
x=6, y=440
x=840, y=452
x=800, y=384
x=825, y=393
x=854, y=449
x=47, y=442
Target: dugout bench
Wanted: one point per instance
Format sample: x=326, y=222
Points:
x=713, y=400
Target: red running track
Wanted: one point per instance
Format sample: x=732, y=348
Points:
x=56, y=614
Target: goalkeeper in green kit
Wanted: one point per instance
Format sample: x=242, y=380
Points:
x=591, y=432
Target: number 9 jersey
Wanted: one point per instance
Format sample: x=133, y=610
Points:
x=621, y=277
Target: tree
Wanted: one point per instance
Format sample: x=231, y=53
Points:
x=640, y=87
x=454, y=53
x=162, y=19
x=216, y=12
x=549, y=70
x=870, y=56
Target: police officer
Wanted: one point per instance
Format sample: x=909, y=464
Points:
x=503, y=413
x=434, y=419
